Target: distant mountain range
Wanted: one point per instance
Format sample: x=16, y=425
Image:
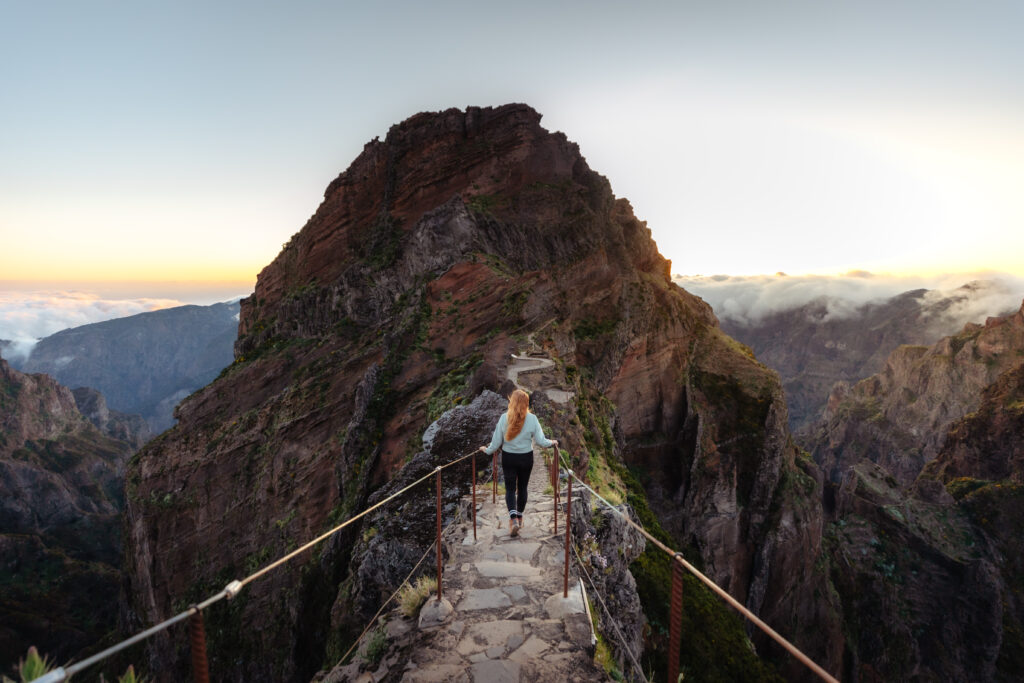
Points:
x=142, y=364
x=899, y=417
x=828, y=339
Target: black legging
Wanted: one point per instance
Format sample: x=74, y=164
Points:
x=516, y=467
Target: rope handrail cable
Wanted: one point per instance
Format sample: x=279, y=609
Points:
x=792, y=649
x=622, y=638
x=392, y=596
x=326, y=534
x=232, y=589
x=276, y=563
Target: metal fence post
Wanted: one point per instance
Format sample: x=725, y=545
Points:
x=438, y=470
x=568, y=530
x=675, y=619
x=555, y=467
x=474, y=497
x=197, y=638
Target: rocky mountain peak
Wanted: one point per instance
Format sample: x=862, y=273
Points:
x=439, y=187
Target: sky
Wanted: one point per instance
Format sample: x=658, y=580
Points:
x=164, y=151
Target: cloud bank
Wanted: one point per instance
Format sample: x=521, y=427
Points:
x=746, y=300
x=26, y=317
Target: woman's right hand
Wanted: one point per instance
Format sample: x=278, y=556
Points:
x=483, y=448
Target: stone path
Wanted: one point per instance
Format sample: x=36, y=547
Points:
x=502, y=617
x=509, y=620
x=535, y=365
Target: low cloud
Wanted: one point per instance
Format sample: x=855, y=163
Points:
x=746, y=300
x=26, y=317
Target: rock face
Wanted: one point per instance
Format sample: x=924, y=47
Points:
x=459, y=239
x=899, y=417
x=922, y=594
x=132, y=429
x=989, y=442
x=929, y=573
x=143, y=364
x=60, y=502
x=831, y=340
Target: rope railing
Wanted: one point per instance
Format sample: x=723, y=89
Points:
x=234, y=587
x=678, y=558
x=384, y=604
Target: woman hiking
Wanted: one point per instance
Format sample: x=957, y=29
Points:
x=515, y=433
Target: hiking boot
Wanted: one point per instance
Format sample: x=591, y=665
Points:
x=514, y=527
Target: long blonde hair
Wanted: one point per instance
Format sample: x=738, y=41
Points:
x=518, y=407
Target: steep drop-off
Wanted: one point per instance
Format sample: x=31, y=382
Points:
x=60, y=504
x=899, y=418
x=459, y=239
x=929, y=567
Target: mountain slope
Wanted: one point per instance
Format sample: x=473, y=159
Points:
x=459, y=239
x=60, y=503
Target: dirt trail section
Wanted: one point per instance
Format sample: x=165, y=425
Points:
x=502, y=617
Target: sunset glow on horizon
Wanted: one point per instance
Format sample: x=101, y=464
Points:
x=187, y=143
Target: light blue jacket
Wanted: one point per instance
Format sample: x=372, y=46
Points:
x=523, y=441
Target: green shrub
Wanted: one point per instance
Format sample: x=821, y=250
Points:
x=375, y=648
x=32, y=667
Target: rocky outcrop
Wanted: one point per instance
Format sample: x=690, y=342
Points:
x=132, y=429
x=60, y=502
x=928, y=573
x=459, y=239
x=921, y=592
x=989, y=442
x=143, y=364
x=899, y=418
x=608, y=546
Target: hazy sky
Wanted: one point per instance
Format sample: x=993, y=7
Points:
x=187, y=141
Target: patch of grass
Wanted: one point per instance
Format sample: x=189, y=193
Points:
x=375, y=648
x=961, y=487
x=591, y=328
x=513, y=303
x=453, y=388
x=412, y=596
x=384, y=242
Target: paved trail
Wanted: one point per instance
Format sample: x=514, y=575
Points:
x=503, y=617
x=510, y=621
